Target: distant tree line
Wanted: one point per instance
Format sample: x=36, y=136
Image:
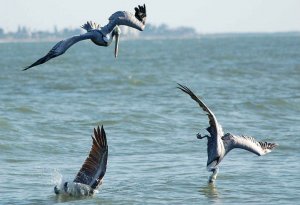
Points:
x=162, y=30
x=25, y=33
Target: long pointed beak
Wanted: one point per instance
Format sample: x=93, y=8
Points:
x=116, y=45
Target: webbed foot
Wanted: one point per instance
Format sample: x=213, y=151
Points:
x=201, y=137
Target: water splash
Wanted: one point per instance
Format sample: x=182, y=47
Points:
x=57, y=178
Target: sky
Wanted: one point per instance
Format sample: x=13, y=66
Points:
x=206, y=16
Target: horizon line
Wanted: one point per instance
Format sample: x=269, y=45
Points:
x=5, y=31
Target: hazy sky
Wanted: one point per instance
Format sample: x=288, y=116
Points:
x=207, y=16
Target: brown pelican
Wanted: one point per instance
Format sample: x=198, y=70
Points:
x=218, y=144
x=91, y=174
x=101, y=36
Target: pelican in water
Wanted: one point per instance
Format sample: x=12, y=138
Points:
x=101, y=36
x=91, y=174
x=219, y=144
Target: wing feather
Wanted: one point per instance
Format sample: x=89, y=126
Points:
x=250, y=144
x=214, y=129
x=60, y=48
x=94, y=167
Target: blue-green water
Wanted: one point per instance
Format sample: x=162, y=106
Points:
x=251, y=82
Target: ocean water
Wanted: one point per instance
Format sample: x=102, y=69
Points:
x=47, y=114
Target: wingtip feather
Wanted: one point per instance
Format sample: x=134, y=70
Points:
x=26, y=68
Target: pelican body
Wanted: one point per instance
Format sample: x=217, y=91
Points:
x=91, y=174
x=219, y=144
x=101, y=36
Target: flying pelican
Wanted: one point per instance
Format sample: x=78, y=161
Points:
x=101, y=36
x=91, y=174
x=218, y=144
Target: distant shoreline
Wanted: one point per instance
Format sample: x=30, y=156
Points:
x=35, y=40
x=164, y=37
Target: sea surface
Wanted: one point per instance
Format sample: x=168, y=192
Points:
x=250, y=81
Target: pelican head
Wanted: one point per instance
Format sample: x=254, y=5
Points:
x=117, y=32
x=213, y=177
x=63, y=190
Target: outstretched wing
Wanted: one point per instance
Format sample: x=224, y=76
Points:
x=214, y=129
x=214, y=144
x=137, y=20
x=94, y=167
x=60, y=48
x=248, y=143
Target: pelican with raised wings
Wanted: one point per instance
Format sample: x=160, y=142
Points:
x=101, y=36
x=219, y=144
x=91, y=174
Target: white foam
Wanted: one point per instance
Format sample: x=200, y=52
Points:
x=57, y=178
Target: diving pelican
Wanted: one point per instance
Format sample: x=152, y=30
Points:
x=218, y=144
x=91, y=174
x=101, y=36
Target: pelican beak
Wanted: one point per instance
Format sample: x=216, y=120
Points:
x=116, y=44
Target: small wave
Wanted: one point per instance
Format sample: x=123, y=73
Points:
x=252, y=105
x=4, y=123
x=25, y=109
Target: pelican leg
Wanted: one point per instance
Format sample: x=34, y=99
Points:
x=201, y=137
x=212, y=178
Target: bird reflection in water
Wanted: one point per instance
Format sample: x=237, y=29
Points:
x=210, y=191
